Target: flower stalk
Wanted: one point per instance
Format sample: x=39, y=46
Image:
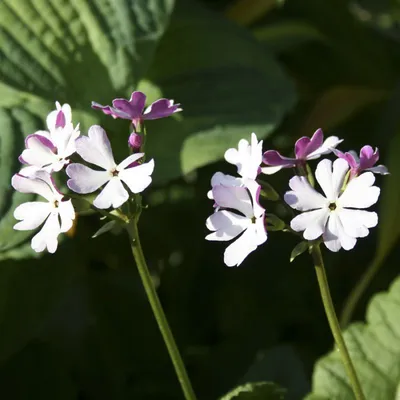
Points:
x=333, y=321
x=158, y=311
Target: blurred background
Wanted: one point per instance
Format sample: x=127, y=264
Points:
x=76, y=325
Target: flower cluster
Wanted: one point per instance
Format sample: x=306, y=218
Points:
x=53, y=150
x=337, y=218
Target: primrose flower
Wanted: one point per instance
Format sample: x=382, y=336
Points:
x=305, y=149
x=247, y=157
x=337, y=216
x=239, y=213
x=134, y=108
x=50, y=150
x=368, y=158
x=56, y=214
x=96, y=149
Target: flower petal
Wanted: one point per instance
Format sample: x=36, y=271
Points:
x=84, y=179
x=51, y=119
x=237, y=251
x=234, y=197
x=272, y=157
x=161, y=108
x=31, y=215
x=138, y=178
x=114, y=194
x=129, y=160
x=96, y=149
x=311, y=222
x=24, y=184
x=335, y=237
x=356, y=222
x=327, y=147
x=40, y=151
x=132, y=107
x=331, y=181
x=255, y=189
x=271, y=170
x=47, y=236
x=359, y=192
x=67, y=215
x=379, y=169
x=304, y=197
x=368, y=157
x=226, y=225
x=305, y=146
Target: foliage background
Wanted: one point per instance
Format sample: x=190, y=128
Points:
x=76, y=325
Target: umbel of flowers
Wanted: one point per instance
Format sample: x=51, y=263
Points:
x=88, y=162
x=337, y=216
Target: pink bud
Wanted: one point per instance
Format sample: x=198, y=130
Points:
x=135, y=141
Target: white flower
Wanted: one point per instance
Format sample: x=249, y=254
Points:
x=247, y=157
x=96, y=149
x=337, y=216
x=50, y=150
x=56, y=213
x=248, y=221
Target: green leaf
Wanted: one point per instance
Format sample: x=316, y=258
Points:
x=299, y=249
x=374, y=348
x=227, y=91
x=73, y=51
x=256, y=391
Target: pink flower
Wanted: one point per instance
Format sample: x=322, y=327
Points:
x=368, y=158
x=134, y=108
x=305, y=149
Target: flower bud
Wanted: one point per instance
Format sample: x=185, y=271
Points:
x=135, y=141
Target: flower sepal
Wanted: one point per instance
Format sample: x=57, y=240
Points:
x=274, y=223
x=267, y=191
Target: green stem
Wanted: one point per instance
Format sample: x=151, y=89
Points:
x=358, y=291
x=333, y=321
x=158, y=312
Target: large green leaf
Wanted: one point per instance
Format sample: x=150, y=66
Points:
x=74, y=51
x=227, y=83
x=375, y=350
x=256, y=391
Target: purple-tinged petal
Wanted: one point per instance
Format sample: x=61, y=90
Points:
x=42, y=139
x=226, y=225
x=368, y=157
x=84, y=179
x=133, y=107
x=272, y=157
x=108, y=110
x=315, y=143
x=379, y=169
x=24, y=184
x=160, y=109
x=60, y=120
x=327, y=147
x=348, y=157
x=300, y=147
x=234, y=197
